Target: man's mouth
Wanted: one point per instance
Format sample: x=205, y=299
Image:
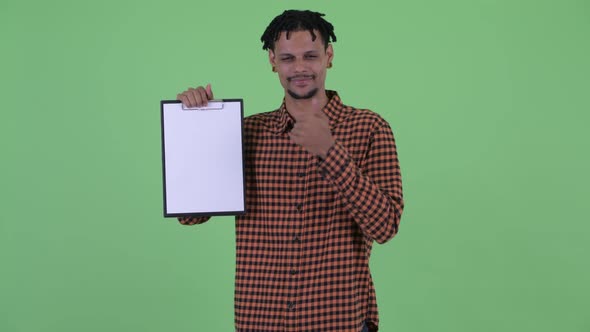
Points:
x=300, y=80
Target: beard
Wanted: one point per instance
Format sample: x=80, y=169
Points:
x=308, y=95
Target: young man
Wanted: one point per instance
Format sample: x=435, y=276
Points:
x=322, y=183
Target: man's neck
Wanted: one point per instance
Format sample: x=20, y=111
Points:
x=298, y=108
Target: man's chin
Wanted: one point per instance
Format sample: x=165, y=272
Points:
x=310, y=94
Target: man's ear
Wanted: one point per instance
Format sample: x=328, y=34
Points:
x=271, y=57
x=330, y=53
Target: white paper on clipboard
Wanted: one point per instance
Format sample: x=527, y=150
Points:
x=202, y=156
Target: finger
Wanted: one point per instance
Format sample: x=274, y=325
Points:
x=209, y=92
x=183, y=99
x=191, y=97
x=200, y=96
x=203, y=96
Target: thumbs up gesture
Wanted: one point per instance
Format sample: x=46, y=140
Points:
x=312, y=132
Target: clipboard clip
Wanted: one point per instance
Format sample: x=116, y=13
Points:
x=212, y=105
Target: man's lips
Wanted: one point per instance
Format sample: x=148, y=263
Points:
x=301, y=79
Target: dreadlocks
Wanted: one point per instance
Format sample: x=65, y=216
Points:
x=296, y=20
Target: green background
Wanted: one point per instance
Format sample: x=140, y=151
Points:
x=488, y=100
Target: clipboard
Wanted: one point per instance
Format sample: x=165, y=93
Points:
x=203, y=158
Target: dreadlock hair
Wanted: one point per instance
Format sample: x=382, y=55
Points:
x=297, y=20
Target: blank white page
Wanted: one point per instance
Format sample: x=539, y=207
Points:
x=203, y=159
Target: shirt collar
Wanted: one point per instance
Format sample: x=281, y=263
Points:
x=334, y=109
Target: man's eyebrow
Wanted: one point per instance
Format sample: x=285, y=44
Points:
x=306, y=52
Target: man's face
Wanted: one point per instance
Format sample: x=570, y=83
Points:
x=301, y=63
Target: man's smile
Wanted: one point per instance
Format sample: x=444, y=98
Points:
x=301, y=80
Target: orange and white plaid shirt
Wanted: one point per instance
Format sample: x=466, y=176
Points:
x=303, y=247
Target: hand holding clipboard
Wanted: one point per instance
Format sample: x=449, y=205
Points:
x=196, y=97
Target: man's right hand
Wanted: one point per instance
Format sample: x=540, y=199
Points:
x=196, y=97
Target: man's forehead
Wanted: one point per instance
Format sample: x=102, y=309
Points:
x=300, y=41
x=301, y=34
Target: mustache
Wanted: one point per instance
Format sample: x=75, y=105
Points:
x=297, y=77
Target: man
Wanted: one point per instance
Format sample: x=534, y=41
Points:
x=322, y=183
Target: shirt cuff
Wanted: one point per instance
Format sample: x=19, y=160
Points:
x=338, y=166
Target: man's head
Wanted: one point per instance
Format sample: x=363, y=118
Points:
x=299, y=49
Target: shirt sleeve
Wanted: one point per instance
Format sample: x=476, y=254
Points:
x=371, y=194
x=192, y=220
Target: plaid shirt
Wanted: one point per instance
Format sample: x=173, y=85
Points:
x=303, y=247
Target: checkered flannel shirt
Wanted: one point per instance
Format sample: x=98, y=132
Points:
x=303, y=247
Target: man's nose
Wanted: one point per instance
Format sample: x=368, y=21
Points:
x=299, y=65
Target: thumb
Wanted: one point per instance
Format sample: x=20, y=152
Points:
x=209, y=91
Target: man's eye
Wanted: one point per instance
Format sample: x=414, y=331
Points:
x=286, y=59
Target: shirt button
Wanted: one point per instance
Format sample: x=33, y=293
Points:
x=300, y=174
x=290, y=305
x=293, y=272
x=296, y=239
x=299, y=207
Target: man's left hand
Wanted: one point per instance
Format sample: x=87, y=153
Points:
x=312, y=132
